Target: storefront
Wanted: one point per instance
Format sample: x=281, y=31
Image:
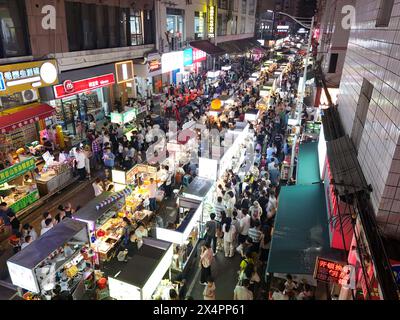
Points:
x=89, y=94
x=148, y=75
x=18, y=186
x=22, y=117
x=61, y=256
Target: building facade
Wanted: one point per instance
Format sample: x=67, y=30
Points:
x=368, y=104
x=333, y=40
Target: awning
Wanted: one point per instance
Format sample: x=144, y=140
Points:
x=301, y=231
x=230, y=47
x=10, y=121
x=207, y=47
x=240, y=46
x=308, y=164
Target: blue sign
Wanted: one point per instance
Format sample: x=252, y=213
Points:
x=2, y=82
x=187, y=57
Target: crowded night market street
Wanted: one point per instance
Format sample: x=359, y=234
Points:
x=157, y=161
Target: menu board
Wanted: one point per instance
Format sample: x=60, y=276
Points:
x=328, y=270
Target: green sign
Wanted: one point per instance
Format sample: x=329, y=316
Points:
x=117, y=117
x=17, y=170
x=25, y=201
x=125, y=117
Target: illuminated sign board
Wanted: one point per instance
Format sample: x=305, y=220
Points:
x=69, y=88
x=212, y=10
x=201, y=23
x=124, y=71
x=154, y=64
x=199, y=55
x=187, y=57
x=171, y=61
x=29, y=75
x=328, y=270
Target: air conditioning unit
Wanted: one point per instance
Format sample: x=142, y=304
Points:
x=29, y=95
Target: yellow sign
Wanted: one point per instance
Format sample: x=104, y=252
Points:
x=201, y=23
x=212, y=10
x=28, y=75
x=216, y=104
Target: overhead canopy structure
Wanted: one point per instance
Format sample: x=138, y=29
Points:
x=35, y=112
x=240, y=46
x=301, y=231
x=308, y=164
x=207, y=47
x=47, y=243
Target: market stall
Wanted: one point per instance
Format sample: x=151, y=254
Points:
x=138, y=178
x=186, y=233
x=104, y=216
x=54, y=176
x=18, y=186
x=60, y=256
x=141, y=276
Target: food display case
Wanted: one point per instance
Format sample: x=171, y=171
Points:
x=60, y=256
x=141, y=276
x=54, y=177
x=18, y=186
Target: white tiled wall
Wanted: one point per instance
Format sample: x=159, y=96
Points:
x=374, y=53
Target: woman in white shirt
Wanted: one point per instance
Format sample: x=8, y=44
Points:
x=140, y=232
x=229, y=238
x=97, y=187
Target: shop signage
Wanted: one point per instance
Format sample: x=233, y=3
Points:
x=29, y=75
x=124, y=71
x=187, y=57
x=154, y=63
x=68, y=86
x=212, y=10
x=199, y=55
x=83, y=85
x=26, y=201
x=122, y=118
x=328, y=270
x=172, y=61
x=17, y=170
x=201, y=22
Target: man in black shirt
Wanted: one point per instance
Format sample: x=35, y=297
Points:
x=263, y=201
x=15, y=223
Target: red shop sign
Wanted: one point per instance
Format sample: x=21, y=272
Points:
x=199, y=55
x=69, y=88
x=327, y=270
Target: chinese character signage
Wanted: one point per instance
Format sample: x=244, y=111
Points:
x=211, y=17
x=69, y=88
x=198, y=55
x=328, y=270
x=17, y=170
x=187, y=57
x=201, y=23
x=26, y=201
x=29, y=75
